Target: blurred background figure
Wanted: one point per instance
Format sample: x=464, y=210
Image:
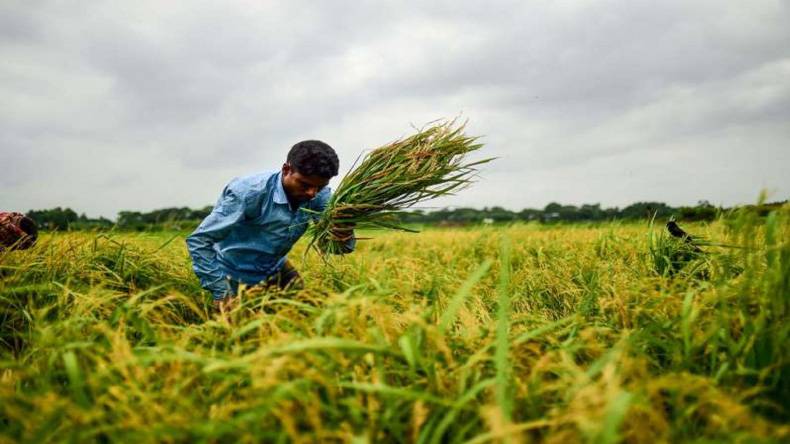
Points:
x=17, y=231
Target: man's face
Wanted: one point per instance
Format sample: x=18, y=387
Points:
x=299, y=187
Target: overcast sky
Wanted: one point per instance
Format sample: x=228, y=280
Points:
x=140, y=105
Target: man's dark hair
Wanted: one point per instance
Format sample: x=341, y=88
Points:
x=314, y=158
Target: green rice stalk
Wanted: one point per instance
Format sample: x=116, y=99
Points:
x=502, y=351
x=429, y=164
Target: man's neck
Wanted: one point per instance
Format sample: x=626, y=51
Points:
x=292, y=205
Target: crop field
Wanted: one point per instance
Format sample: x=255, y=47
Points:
x=523, y=333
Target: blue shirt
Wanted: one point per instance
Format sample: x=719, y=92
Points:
x=249, y=232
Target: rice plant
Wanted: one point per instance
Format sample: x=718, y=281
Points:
x=524, y=333
x=426, y=165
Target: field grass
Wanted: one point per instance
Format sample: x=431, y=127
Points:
x=603, y=334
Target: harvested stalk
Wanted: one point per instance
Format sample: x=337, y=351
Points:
x=397, y=176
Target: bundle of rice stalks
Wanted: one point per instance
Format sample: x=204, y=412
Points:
x=396, y=176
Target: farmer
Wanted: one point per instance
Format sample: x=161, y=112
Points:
x=17, y=231
x=257, y=220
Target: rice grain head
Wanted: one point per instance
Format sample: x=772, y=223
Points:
x=397, y=176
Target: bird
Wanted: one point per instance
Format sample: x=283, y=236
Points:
x=675, y=230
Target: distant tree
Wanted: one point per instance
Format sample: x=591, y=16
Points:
x=529, y=214
x=703, y=211
x=591, y=212
x=553, y=207
x=58, y=218
x=646, y=210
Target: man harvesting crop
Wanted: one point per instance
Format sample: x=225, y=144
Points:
x=258, y=218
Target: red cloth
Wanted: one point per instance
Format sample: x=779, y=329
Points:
x=11, y=232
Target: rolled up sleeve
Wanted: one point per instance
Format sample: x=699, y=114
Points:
x=215, y=227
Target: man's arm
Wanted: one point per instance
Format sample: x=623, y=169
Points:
x=215, y=227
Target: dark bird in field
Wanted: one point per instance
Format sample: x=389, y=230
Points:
x=675, y=230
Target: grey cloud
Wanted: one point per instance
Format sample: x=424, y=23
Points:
x=616, y=53
x=14, y=25
x=152, y=104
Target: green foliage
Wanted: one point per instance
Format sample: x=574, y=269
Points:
x=389, y=179
x=164, y=219
x=671, y=255
x=186, y=219
x=524, y=333
x=54, y=219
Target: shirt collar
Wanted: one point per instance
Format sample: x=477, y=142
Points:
x=279, y=192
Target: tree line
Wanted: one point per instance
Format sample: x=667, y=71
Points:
x=555, y=212
x=184, y=218
x=61, y=219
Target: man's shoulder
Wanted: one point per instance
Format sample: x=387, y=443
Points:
x=252, y=183
x=325, y=193
x=318, y=203
x=252, y=189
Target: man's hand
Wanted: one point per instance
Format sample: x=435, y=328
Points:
x=342, y=237
x=342, y=232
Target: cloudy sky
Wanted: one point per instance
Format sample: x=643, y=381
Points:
x=106, y=106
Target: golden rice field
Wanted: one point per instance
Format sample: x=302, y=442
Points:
x=523, y=333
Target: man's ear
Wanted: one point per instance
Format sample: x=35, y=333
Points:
x=286, y=169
